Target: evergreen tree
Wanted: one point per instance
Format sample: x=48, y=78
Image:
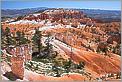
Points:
x=2, y=38
x=81, y=65
x=67, y=66
x=48, y=45
x=8, y=38
x=56, y=70
x=20, y=38
x=37, y=39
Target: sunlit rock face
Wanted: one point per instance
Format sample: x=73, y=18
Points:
x=62, y=16
x=18, y=63
x=74, y=36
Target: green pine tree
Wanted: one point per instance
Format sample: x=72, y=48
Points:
x=8, y=39
x=67, y=66
x=21, y=39
x=37, y=39
x=56, y=70
x=48, y=46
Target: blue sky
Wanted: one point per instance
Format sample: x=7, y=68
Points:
x=83, y=4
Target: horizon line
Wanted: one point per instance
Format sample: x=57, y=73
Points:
x=59, y=7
